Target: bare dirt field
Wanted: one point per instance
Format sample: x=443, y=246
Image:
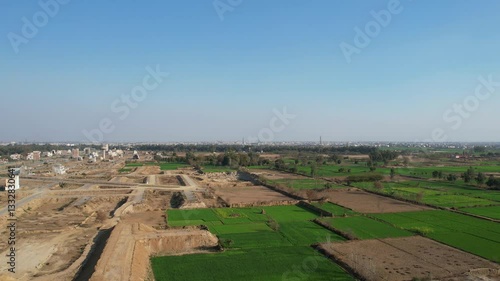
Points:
x=364, y=202
x=157, y=199
x=122, y=179
x=276, y=175
x=52, y=233
x=396, y=259
x=168, y=180
x=249, y=194
x=146, y=170
x=66, y=186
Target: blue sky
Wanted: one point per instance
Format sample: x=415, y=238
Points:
x=226, y=76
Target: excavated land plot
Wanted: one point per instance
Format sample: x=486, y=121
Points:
x=158, y=199
x=249, y=195
x=52, y=234
x=169, y=180
x=130, y=246
x=123, y=179
x=395, y=259
x=364, y=202
x=146, y=170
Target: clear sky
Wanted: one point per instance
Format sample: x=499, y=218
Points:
x=231, y=65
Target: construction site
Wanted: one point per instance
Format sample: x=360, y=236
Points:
x=94, y=223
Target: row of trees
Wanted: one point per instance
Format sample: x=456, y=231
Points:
x=469, y=176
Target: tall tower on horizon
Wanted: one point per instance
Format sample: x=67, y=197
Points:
x=320, y=140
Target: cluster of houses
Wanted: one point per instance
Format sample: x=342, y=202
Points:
x=88, y=153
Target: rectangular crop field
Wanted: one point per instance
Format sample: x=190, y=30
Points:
x=363, y=227
x=473, y=235
x=265, y=264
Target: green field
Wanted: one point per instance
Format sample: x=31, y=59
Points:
x=437, y=193
x=217, y=169
x=426, y=172
x=490, y=212
x=264, y=243
x=473, y=235
x=363, y=227
x=336, y=210
x=172, y=166
x=334, y=170
x=266, y=264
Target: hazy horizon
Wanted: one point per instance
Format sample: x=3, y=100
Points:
x=230, y=72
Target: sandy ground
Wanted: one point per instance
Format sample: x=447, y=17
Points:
x=396, y=259
x=168, y=180
x=52, y=234
x=364, y=202
x=276, y=175
x=249, y=194
x=123, y=179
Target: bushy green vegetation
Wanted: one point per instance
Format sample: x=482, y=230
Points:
x=363, y=227
x=473, y=235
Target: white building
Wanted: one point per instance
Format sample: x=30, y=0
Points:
x=59, y=169
x=15, y=156
x=47, y=154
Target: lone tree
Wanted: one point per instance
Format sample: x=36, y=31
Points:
x=451, y=177
x=393, y=173
x=313, y=170
x=480, y=179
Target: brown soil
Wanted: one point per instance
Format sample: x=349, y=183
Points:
x=127, y=252
x=168, y=180
x=52, y=234
x=276, y=175
x=122, y=179
x=158, y=199
x=147, y=170
x=405, y=258
x=365, y=202
x=249, y=194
